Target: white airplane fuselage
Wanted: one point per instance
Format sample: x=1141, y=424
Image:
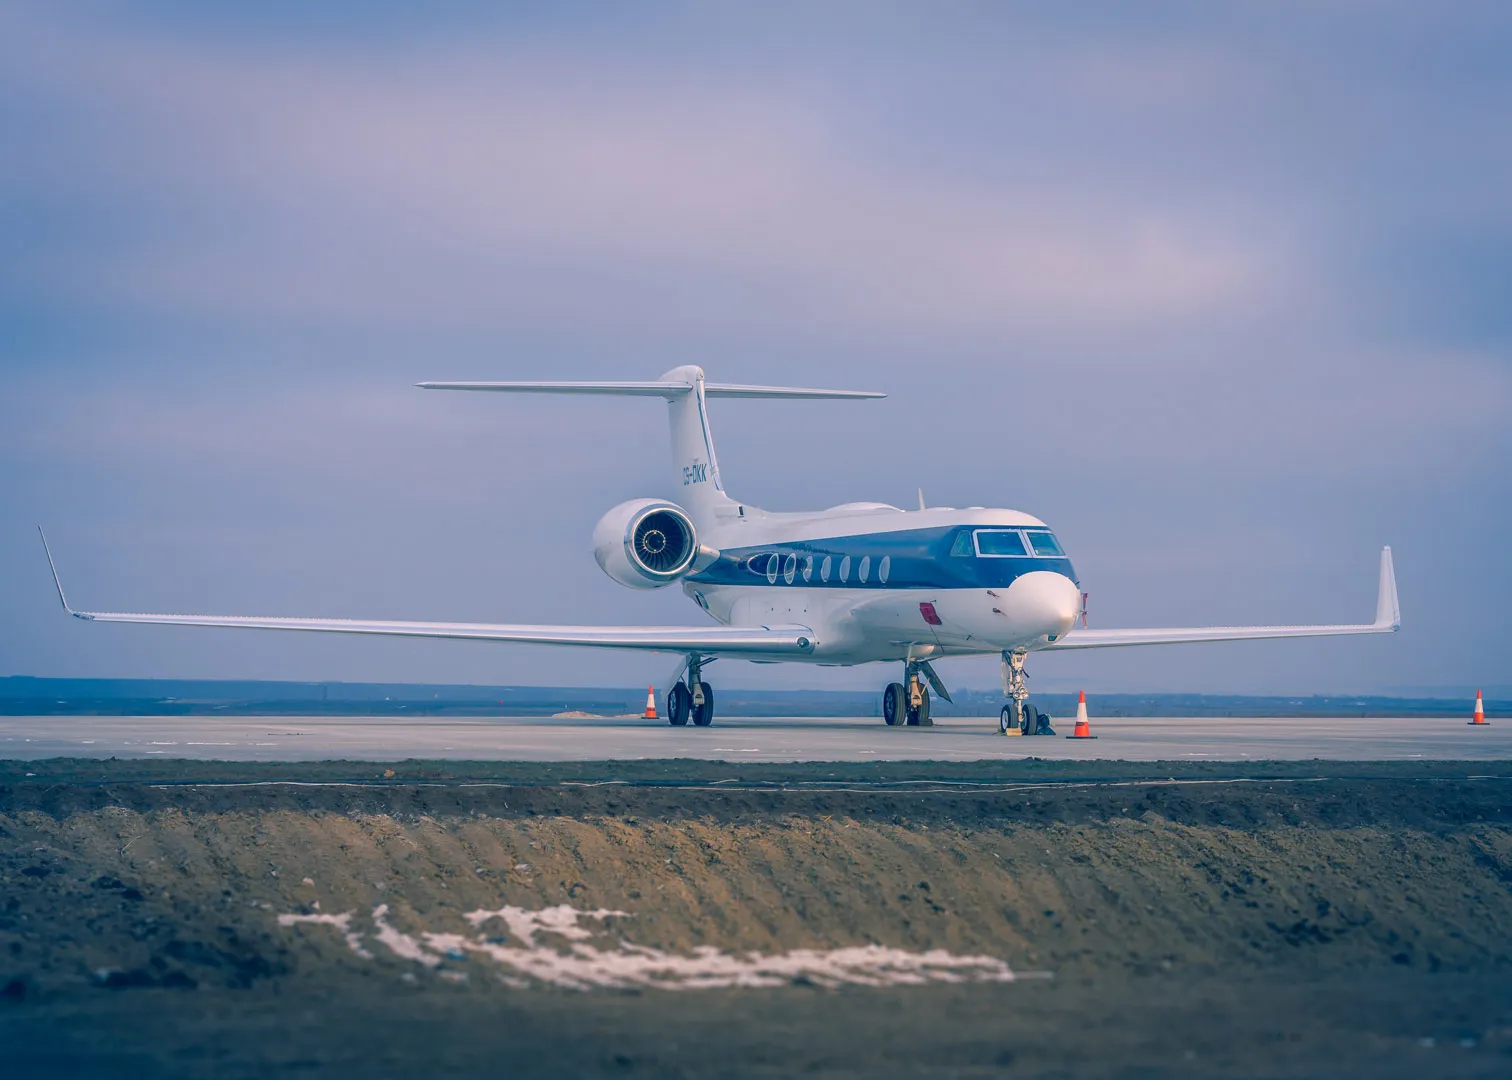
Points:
x=876, y=583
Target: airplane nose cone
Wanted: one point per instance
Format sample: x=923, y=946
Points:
x=1044, y=603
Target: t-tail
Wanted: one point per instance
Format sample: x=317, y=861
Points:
x=700, y=488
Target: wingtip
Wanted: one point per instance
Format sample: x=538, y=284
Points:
x=57, y=582
x=1388, y=607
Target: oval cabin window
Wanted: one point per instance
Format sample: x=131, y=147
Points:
x=808, y=568
x=884, y=568
x=773, y=565
x=789, y=568
x=824, y=569
x=865, y=570
x=845, y=569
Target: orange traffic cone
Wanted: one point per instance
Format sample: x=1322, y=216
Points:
x=1480, y=711
x=1082, y=730
x=650, y=703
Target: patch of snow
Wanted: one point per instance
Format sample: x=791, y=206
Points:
x=575, y=962
x=398, y=942
x=524, y=924
x=342, y=923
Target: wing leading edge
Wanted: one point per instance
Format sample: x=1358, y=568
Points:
x=1388, y=620
x=712, y=640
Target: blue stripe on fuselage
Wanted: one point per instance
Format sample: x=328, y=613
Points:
x=918, y=559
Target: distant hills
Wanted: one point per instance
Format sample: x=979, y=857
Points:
x=26, y=696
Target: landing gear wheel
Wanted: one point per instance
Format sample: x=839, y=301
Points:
x=1010, y=718
x=679, y=705
x=1031, y=719
x=703, y=715
x=920, y=717
x=894, y=705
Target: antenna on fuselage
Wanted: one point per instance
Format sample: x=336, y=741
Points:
x=921, y=499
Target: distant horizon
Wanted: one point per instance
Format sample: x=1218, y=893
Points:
x=1057, y=687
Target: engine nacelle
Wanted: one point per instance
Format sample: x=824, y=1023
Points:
x=648, y=544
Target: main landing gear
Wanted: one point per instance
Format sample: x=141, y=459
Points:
x=907, y=702
x=1018, y=716
x=693, y=699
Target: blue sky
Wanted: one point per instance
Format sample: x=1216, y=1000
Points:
x=1220, y=293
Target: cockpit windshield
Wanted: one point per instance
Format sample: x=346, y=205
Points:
x=996, y=543
x=1017, y=543
x=1045, y=545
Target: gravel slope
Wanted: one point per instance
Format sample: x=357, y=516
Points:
x=1290, y=925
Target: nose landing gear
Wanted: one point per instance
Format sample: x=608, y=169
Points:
x=1018, y=716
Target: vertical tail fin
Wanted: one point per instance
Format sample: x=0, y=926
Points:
x=702, y=492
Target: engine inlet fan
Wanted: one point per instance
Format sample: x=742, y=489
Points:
x=662, y=543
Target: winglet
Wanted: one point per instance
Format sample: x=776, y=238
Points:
x=54, y=568
x=1388, y=611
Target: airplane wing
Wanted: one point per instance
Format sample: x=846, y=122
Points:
x=1388, y=620
x=710, y=640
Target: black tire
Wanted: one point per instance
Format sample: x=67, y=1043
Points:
x=894, y=707
x=704, y=716
x=1005, y=720
x=920, y=717
x=679, y=704
x=1031, y=719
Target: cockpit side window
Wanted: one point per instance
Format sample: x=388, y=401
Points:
x=1045, y=545
x=962, y=546
x=997, y=543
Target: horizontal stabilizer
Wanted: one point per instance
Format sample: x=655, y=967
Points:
x=661, y=389
x=619, y=389
x=712, y=389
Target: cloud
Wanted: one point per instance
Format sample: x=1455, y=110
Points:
x=487, y=185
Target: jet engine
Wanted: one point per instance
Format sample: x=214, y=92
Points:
x=648, y=543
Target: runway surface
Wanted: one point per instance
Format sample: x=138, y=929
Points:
x=772, y=739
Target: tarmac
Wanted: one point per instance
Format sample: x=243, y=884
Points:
x=768, y=739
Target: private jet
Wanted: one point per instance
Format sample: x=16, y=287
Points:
x=859, y=583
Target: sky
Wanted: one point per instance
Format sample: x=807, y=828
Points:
x=1221, y=292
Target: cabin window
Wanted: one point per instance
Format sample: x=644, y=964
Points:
x=1045, y=544
x=962, y=546
x=844, y=569
x=773, y=565
x=824, y=569
x=1000, y=543
x=884, y=568
x=789, y=568
x=865, y=570
x=808, y=568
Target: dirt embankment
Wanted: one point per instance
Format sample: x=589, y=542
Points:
x=356, y=891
